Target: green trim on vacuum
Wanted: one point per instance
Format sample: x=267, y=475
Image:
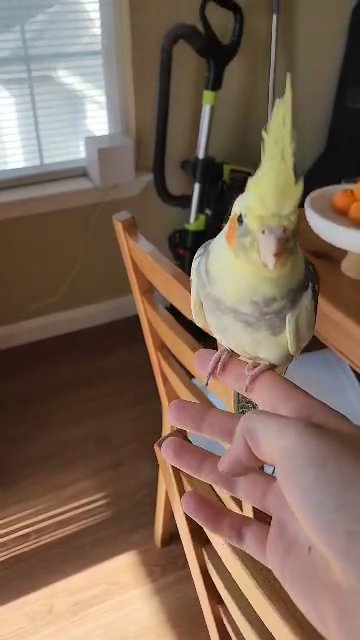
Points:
x=199, y=224
x=228, y=168
x=227, y=172
x=209, y=97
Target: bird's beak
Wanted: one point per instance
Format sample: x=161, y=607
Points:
x=271, y=247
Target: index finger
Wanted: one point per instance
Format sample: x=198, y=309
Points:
x=275, y=394
x=210, y=422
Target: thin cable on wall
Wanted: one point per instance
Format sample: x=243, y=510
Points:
x=64, y=287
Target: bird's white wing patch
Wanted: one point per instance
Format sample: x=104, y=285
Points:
x=197, y=308
x=300, y=323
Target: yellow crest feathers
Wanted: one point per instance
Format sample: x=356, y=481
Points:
x=274, y=188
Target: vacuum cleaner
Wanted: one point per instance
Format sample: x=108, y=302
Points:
x=216, y=184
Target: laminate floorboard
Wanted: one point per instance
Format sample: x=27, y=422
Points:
x=79, y=416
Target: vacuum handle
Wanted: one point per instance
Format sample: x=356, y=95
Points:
x=217, y=55
x=197, y=41
x=220, y=54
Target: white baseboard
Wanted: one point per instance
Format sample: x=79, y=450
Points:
x=56, y=324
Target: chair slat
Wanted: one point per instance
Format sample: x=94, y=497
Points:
x=258, y=584
x=180, y=343
x=229, y=501
x=241, y=610
x=177, y=340
x=172, y=283
x=208, y=597
x=125, y=226
x=263, y=591
x=192, y=484
x=232, y=628
x=179, y=380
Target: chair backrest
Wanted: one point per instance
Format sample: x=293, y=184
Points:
x=171, y=348
x=239, y=597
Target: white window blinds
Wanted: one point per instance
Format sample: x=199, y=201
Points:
x=52, y=89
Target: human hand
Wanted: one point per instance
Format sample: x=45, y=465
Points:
x=313, y=542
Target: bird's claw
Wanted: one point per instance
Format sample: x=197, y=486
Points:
x=217, y=363
x=253, y=370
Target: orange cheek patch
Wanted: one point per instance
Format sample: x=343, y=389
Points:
x=231, y=231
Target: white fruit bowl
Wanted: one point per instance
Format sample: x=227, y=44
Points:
x=334, y=228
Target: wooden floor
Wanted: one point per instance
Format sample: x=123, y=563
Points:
x=79, y=415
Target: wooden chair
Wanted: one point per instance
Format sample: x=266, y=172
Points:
x=239, y=597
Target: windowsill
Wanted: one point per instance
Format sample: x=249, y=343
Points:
x=69, y=193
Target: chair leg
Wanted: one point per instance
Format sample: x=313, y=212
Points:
x=163, y=515
x=193, y=539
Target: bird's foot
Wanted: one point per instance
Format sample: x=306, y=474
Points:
x=217, y=364
x=253, y=370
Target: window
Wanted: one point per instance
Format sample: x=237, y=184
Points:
x=54, y=85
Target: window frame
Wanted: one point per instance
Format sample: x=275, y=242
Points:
x=119, y=90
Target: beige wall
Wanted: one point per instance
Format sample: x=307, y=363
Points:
x=66, y=259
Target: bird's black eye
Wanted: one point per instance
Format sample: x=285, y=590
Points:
x=240, y=220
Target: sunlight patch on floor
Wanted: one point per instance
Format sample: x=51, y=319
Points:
x=92, y=604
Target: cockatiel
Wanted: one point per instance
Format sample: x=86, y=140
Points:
x=251, y=285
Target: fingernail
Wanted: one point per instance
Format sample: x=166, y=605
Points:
x=162, y=440
x=173, y=434
x=223, y=465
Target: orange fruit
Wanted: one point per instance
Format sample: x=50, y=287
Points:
x=354, y=214
x=357, y=191
x=342, y=201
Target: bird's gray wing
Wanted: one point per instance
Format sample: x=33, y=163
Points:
x=198, y=284
x=300, y=321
